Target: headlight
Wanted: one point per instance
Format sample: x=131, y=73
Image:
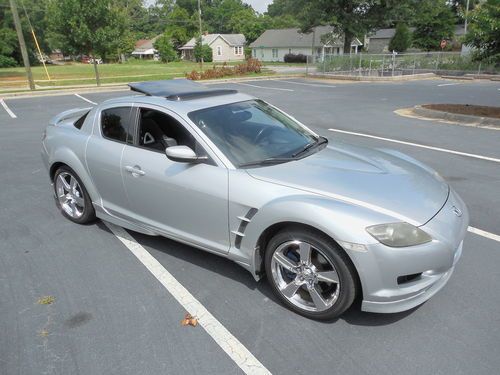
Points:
x=398, y=234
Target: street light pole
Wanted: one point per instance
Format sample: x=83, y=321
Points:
x=22, y=43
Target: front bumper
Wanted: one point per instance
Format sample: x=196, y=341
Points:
x=398, y=279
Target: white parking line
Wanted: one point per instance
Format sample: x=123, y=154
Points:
x=4, y=105
x=263, y=87
x=87, y=100
x=448, y=84
x=480, y=232
x=302, y=83
x=230, y=344
x=419, y=145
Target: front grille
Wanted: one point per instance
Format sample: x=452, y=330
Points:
x=408, y=278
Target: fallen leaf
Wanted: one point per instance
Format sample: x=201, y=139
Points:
x=189, y=320
x=46, y=300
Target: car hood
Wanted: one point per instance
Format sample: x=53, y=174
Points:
x=388, y=182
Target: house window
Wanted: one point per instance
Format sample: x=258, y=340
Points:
x=238, y=50
x=275, y=53
x=219, y=51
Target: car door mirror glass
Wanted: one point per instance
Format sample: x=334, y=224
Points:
x=183, y=154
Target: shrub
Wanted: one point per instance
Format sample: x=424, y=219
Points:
x=204, y=51
x=249, y=66
x=293, y=58
x=165, y=48
x=7, y=62
x=401, y=40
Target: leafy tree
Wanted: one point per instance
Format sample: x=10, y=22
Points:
x=180, y=26
x=165, y=48
x=483, y=31
x=401, y=40
x=88, y=26
x=434, y=22
x=8, y=44
x=349, y=18
x=202, y=50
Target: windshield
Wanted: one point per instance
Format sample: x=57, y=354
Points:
x=252, y=131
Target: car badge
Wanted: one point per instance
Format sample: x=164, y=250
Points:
x=456, y=211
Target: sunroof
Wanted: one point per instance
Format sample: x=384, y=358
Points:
x=177, y=89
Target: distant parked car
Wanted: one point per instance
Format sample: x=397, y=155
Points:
x=233, y=175
x=88, y=60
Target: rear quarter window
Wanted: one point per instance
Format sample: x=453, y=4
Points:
x=79, y=123
x=116, y=124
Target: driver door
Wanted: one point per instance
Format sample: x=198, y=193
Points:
x=188, y=202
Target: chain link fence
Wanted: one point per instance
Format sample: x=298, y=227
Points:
x=391, y=65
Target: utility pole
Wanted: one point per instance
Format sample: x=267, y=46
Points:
x=201, y=35
x=466, y=14
x=22, y=43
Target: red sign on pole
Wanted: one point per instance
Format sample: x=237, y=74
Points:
x=443, y=44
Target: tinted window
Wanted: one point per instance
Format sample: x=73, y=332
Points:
x=116, y=124
x=79, y=123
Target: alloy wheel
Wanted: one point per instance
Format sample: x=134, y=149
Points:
x=70, y=195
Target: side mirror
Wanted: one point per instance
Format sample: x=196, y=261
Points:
x=183, y=154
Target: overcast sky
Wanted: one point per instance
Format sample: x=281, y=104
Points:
x=259, y=5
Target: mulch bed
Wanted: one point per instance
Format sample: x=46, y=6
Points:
x=466, y=109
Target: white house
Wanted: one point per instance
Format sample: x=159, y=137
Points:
x=274, y=44
x=225, y=47
x=144, y=48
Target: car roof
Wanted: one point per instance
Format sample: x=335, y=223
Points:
x=183, y=107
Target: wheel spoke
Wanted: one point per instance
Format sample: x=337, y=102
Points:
x=73, y=184
x=284, y=262
x=74, y=210
x=328, y=276
x=305, y=252
x=79, y=201
x=317, y=299
x=290, y=289
x=64, y=183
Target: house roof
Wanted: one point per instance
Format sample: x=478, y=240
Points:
x=143, y=45
x=389, y=33
x=294, y=38
x=231, y=39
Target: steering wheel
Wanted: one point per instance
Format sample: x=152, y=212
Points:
x=262, y=133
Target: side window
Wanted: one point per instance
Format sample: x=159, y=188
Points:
x=116, y=124
x=158, y=131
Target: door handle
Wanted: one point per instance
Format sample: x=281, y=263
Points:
x=136, y=171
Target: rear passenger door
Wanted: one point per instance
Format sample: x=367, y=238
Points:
x=113, y=129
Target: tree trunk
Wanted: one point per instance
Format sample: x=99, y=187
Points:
x=347, y=42
x=97, y=79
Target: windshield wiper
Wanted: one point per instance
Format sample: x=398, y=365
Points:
x=268, y=161
x=318, y=142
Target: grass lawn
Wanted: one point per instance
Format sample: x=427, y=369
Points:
x=81, y=74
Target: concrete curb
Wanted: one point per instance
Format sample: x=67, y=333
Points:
x=455, y=117
x=121, y=86
x=376, y=79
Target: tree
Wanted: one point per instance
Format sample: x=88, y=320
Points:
x=88, y=26
x=349, y=18
x=204, y=51
x=401, y=40
x=165, y=48
x=180, y=26
x=434, y=21
x=483, y=31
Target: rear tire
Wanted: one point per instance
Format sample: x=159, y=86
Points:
x=310, y=273
x=71, y=196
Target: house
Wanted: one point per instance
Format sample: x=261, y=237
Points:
x=144, y=48
x=225, y=47
x=274, y=44
x=379, y=41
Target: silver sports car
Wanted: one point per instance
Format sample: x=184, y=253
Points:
x=228, y=173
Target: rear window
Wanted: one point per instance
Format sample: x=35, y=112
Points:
x=116, y=124
x=79, y=123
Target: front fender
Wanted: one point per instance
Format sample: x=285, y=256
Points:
x=339, y=220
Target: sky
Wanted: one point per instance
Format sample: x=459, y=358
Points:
x=259, y=5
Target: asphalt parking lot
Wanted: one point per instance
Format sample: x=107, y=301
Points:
x=110, y=315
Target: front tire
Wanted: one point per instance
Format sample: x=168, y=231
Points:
x=72, y=197
x=310, y=273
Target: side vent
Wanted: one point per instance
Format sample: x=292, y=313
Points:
x=244, y=220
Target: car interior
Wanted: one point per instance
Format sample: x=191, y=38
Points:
x=159, y=131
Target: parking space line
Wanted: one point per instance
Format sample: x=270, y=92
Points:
x=480, y=232
x=87, y=100
x=419, y=145
x=263, y=87
x=303, y=83
x=230, y=344
x=448, y=84
x=4, y=105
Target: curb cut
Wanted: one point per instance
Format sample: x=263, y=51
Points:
x=455, y=117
